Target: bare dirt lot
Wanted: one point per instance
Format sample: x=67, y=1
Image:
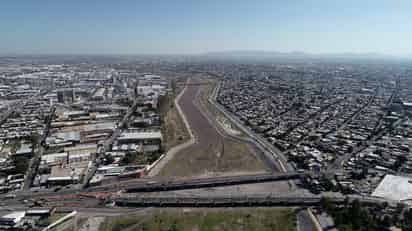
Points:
x=212, y=154
x=173, y=128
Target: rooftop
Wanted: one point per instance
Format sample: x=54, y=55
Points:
x=394, y=188
x=140, y=135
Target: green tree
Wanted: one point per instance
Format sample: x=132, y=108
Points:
x=108, y=159
x=407, y=220
x=21, y=164
x=129, y=158
x=386, y=222
x=354, y=214
x=174, y=227
x=326, y=204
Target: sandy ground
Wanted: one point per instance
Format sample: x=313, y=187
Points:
x=211, y=154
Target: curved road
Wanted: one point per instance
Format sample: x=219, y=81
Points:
x=206, y=137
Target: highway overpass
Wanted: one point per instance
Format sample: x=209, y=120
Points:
x=234, y=201
x=153, y=186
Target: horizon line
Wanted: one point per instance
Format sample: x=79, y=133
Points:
x=224, y=52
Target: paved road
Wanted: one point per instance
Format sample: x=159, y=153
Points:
x=338, y=163
x=107, y=143
x=82, y=211
x=210, y=182
x=304, y=222
x=270, y=151
x=157, y=184
x=268, y=160
x=326, y=222
x=38, y=153
x=172, y=152
x=19, y=105
x=354, y=115
x=205, y=132
x=208, y=140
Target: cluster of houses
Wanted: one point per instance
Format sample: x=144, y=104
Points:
x=346, y=117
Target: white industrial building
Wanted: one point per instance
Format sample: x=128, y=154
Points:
x=398, y=188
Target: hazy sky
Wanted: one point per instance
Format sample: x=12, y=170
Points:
x=196, y=26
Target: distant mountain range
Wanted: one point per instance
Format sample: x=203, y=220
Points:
x=256, y=54
x=248, y=56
